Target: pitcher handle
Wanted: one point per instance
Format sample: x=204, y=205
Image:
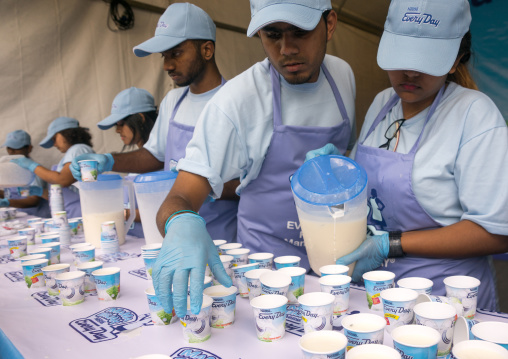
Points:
x=132, y=205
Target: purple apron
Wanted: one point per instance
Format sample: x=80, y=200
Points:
x=394, y=207
x=72, y=204
x=267, y=218
x=41, y=210
x=220, y=216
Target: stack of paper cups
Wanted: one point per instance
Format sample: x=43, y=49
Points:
x=150, y=252
x=109, y=237
x=61, y=225
x=56, y=203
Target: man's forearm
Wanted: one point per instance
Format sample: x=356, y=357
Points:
x=139, y=161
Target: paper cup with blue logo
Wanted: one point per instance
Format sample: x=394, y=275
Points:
x=478, y=349
x=17, y=246
x=491, y=331
x=228, y=267
x=297, y=285
x=253, y=282
x=29, y=233
x=286, y=261
x=223, y=248
x=240, y=256
x=74, y=247
x=196, y=327
x=333, y=269
x=462, y=330
x=157, y=313
x=107, y=283
x=50, y=272
x=337, y=285
x=223, y=306
x=218, y=243
x=31, y=257
x=323, y=344
x=274, y=282
x=317, y=311
x=39, y=229
x=55, y=251
x=373, y=351
x=88, y=170
x=88, y=268
x=45, y=251
x=398, y=304
x=32, y=271
x=415, y=341
x=418, y=284
x=441, y=317
x=240, y=281
x=84, y=254
x=149, y=263
x=71, y=287
x=454, y=302
x=375, y=283
x=49, y=237
x=265, y=260
x=270, y=316
x=363, y=328
x=465, y=289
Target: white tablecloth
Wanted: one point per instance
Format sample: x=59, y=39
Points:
x=40, y=327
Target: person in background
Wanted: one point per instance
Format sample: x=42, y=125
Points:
x=133, y=113
x=68, y=137
x=185, y=36
x=258, y=128
x=436, y=151
x=19, y=143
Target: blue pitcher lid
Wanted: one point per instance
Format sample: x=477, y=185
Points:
x=155, y=176
x=105, y=177
x=329, y=180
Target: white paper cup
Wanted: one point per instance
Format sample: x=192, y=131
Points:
x=239, y=256
x=265, y=260
x=223, y=306
x=337, y=285
x=416, y=341
x=88, y=268
x=286, y=261
x=76, y=246
x=218, y=243
x=153, y=247
x=419, y=284
x=228, y=267
x=375, y=283
x=478, y=349
x=253, y=283
x=270, y=316
x=55, y=251
x=84, y=254
x=462, y=330
x=31, y=257
x=30, y=235
x=317, y=311
x=71, y=287
x=88, y=170
x=398, y=304
x=157, y=313
x=49, y=237
x=227, y=246
x=494, y=332
x=275, y=283
x=465, y=289
x=441, y=317
x=50, y=272
x=454, y=302
x=297, y=285
x=32, y=271
x=41, y=250
x=323, y=344
x=333, y=269
x=17, y=246
x=240, y=280
x=363, y=328
x=107, y=283
x=372, y=351
x=196, y=327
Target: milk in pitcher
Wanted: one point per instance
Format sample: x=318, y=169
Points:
x=92, y=226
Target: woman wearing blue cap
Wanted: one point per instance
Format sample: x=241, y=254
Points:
x=435, y=151
x=133, y=112
x=28, y=199
x=68, y=137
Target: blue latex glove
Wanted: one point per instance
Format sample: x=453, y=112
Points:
x=186, y=250
x=105, y=163
x=369, y=256
x=26, y=163
x=328, y=149
x=4, y=202
x=35, y=191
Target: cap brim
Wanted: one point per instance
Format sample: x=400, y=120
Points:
x=157, y=44
x=111, y=120
x=47, y=142
x=430, y=56
x=300, y=16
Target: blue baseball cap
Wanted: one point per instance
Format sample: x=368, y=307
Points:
x=59, y=124
x=180, y=22
x=17, y=139
x=126, y=103
x=304, y=14
x=423, y=35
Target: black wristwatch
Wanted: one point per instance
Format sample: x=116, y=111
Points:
x=395, y=249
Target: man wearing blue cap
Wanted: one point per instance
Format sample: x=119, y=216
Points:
x=257, y=128
x=29, y=199
x=185, y=36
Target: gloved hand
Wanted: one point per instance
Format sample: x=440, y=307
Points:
x=4, y=202
x=105, y=163
x=328, y=149
x=186, y=250
x=26, y=163
x=369, y=256
x=35, y=191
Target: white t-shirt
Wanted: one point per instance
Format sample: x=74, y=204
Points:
x=187, y=114
x=461, y=166
x=234, y=131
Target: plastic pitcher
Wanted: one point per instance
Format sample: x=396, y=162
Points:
x=102, y=201
x=151, y=190
x=12, y=175
x=330, y=194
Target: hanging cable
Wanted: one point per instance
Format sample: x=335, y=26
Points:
x=120, y=12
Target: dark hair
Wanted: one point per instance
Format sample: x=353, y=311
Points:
x=139, y=126
x=77, y=135
x=462, y=76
